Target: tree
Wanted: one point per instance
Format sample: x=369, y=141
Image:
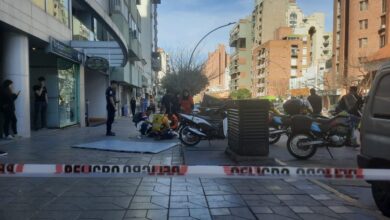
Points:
x=184, y=75
x=241, y=94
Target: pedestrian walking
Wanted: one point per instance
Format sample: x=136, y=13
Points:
x=111, y=107
x=186, y=102
x=133, y=105
x=40, y=103
x=315, y=102
x=8, y=106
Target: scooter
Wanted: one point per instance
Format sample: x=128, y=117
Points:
x=310, y=133
x=199, y=128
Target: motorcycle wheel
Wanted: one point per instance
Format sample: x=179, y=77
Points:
x=188, y=138
x=301, y=153
x=381, y=194
x=273, y=139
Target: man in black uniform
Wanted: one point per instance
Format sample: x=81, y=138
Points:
x=40, y=103
x=111, y=107
x=315, y=101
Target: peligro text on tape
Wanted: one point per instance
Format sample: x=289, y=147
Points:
x=99, y=170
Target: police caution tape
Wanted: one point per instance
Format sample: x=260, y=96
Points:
x=98, y=170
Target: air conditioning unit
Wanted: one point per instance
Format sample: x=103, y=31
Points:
x=115, y=6
x=383, y=26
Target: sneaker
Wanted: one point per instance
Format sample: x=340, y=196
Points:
x=9, y=137
x=3, y=153
x=16, y=136
x=110, y=134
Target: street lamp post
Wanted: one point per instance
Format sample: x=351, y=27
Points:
x=193, y=51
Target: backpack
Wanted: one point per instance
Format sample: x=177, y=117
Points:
x=293, y=106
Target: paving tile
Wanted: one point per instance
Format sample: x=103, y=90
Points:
x=261, y=210
x=225, y=201
x=102, y=215
x=341, y=209
x=200, y=213
x=273, y=217
x=285, y=197
x=244, y=213
x=157, y=214
x=179, y=213
x=150, y=202
x=26, y=203
x=12, y=215
x=262, y=200
x=100, y=191
x=220, y=211
x=317, y=217
x=89, y=203
x=186, y=202
x=136, y=213
x=320, y=197
x=301, y=209
x=302, y=200
x=284, y=211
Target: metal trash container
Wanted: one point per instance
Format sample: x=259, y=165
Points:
x=248, y=128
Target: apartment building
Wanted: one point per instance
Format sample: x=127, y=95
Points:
x=277, y=62
x=241, y=57
x=78, y=46
x=360, y=32
x=215, y=69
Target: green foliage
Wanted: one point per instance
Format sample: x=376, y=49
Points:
x=241, y=94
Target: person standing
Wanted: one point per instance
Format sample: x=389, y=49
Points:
x=40, y=103
x=133, y=105
x=166, y=103
x=351, y=102
x=8, y=106
x=111, y=107
x=315, y=102
x=1, y=114
x=186, y=102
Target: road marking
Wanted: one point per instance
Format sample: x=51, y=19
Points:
x=280, y=162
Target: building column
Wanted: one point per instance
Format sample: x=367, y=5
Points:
x=16, y=68
x=82, y=101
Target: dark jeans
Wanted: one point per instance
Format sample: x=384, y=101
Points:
x=1, y=124
x=40, y=109
x=10, y=119
x=133, y=110
x=110, y=118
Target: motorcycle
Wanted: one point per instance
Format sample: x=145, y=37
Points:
x=310, y=133
x=197, y=128
x=278, y=126
x=281, y=125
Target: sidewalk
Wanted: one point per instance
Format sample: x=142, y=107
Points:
x=152, y=198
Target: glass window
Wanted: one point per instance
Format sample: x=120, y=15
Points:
x=59, y=9
x=363, y=24
x=363, y=5
x=363, y=42
x=381, y=102
x=382, y=41
x=384, y=6
x=40, y=3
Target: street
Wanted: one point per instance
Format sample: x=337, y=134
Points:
x=173, y=198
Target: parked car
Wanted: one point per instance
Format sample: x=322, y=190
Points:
x=375, y=136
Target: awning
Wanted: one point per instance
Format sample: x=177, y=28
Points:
x=109, y=50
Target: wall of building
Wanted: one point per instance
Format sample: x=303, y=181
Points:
x=215, y=69
x=95, y=94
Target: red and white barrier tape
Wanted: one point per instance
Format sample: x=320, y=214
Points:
x=259, y=172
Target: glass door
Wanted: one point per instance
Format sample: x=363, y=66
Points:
x=68, y=93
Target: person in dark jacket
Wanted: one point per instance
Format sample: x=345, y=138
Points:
x=186, y=103
x=40, y=103
x=2, y=153
x=351, y=102
x=111, y=107
x=315, y=102
x=133, y=105
x=167, y=103
x=8, y=107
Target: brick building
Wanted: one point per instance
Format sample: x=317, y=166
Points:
x=277, y=62
x=360, y=31
x=215, y=69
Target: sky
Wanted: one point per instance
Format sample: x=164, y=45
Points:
x=182, y=23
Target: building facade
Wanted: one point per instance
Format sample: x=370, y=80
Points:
x=78, y=46
x=360, y=31
x=277, y=63
x=215, y=70
x=241, y=58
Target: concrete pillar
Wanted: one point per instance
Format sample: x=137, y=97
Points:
x=82, y=96
x=16, y=68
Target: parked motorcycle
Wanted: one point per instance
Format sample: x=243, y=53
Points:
x=310, y=133
x=281, y=125
x=197, y=128
x=278, y=125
